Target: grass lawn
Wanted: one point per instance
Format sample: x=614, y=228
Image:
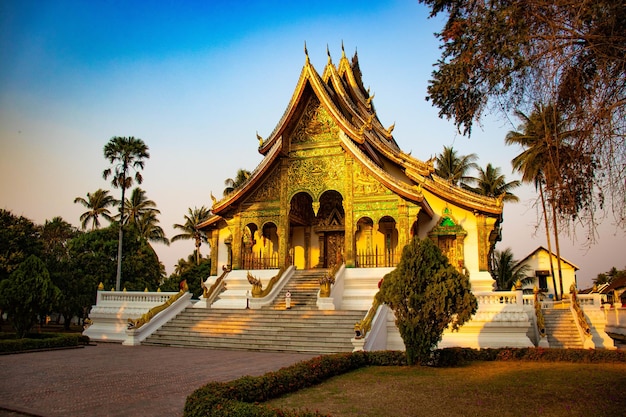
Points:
x=478, y=389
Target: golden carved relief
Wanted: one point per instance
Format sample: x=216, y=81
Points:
x=269, y=190
x=315, y=124
x=365, y=184
x=317, y=175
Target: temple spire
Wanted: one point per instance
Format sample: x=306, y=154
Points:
x=306, y=53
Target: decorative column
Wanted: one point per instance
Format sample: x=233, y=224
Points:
x=404, y=229
x=283, y=221
x=235, y=255
x=307, y=248
x=214, y=239
x=348, y=209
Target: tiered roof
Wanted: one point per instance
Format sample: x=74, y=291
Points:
x=340, y=90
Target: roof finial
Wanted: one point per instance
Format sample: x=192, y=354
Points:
x=343, y=51
x=328, y=53
x=306, y=52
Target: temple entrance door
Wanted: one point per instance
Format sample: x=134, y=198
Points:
x=330, y=228
x=333, y=249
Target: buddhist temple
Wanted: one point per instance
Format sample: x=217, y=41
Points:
x=298, y=250
x=334, y=187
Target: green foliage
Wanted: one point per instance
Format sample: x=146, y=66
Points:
x=239, y=397
x=94, y=255
x=507, y=271
x=491, y=183
x=190, y=230
x=609, y=276
x=56, y=235
x=194, y=275
x=19, y=238
x=506, y=55
x=453, y=167
x=42, y=341
x=427, y=295
x=28, y=294
x=97, y=204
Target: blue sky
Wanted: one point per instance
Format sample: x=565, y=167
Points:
x=196, y=81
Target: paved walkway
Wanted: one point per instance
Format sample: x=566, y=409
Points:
x=114, y=380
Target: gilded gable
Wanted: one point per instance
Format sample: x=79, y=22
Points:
x=315, y=125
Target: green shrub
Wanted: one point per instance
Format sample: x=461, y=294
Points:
x=241, y=397
x=38, y=341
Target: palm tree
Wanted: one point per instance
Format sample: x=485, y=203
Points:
x=190, y=229
x=452, y=167
x=98, y=204
x=125, y=153
x=491, y=183
x=149, y=229
x=232, y=184
x=541, y=135
x=137, y=206
x=507, y=271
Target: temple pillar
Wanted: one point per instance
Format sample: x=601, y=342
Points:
x=404, y=228
x=235, y=255
x=307, y=248
x=283, y=218
x=214, y=239
x=320, y=236
x=348, y=209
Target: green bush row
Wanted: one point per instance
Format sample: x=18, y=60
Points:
x=241, y=397
x=458, y=356
x=42, y=341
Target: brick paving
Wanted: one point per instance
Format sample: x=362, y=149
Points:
x=113, y=380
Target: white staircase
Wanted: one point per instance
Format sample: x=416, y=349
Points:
x=561, y=329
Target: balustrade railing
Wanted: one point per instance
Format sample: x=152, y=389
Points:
x=373, y=258
x=259, y=261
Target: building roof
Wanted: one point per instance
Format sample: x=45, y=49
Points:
x=540, y=249
x=340, y=90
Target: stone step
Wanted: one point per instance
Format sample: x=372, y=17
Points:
x=561, y=329
x=310, y=331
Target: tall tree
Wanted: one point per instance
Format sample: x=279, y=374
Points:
x=427, y=295
x=232, y=184
x=490, y=182
x=190, y=229
x=453, y=167
x=507, y=271
x=541, y=137
x=97, y=205
x=505, y=55
x=126, y=154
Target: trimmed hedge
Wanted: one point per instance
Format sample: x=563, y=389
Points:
x=39, y=341
x=241, y=397
x=458, y=356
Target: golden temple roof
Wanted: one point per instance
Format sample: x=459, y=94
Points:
x=340, y=90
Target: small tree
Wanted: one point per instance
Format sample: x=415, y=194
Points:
x=27, y=294
x=427, y=294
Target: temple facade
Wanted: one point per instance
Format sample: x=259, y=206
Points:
x=334, y=187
